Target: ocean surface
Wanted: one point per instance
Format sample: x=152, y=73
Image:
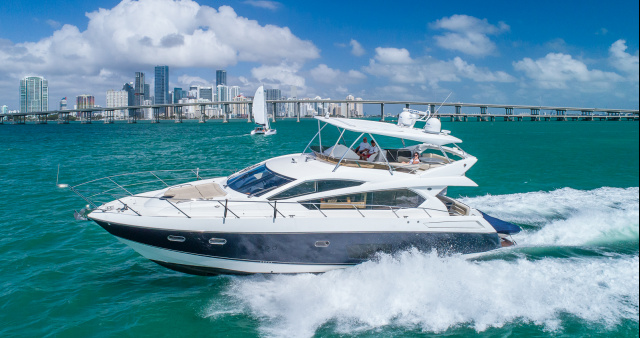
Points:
x=572, y=186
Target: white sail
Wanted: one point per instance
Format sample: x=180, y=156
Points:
x=260, y=108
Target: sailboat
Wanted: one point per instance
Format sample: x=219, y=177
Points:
x=260, y=114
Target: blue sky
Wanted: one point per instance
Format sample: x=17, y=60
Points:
x=569, y=53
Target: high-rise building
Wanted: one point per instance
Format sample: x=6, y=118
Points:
x=4, y=109
x=221, y=77
x=128, y=87
x=206, y=93
x=233, y=92
x=117, y=98
x=223, y=93
x=272, y=94
x=63, y=104
x=147, y=92
x=85, y=101
x=34, y=94
x=139, y=89
x=161, y=85
x=177, y=94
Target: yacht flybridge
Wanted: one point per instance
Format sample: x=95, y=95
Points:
x=322, y=209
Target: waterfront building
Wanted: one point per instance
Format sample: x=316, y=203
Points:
x=147, y=93
x=177, y=94
x=223, y=93
x=359, y=109
x=139, y=87
x=85, y=101
x=34, y=94
x=240, y=110
x=128, y=87
x=221, y=77
x=272, y=94
x=206, y=93
x=234, y=91
x=161, y=85
x=63, y=104
x=117, y=98
x=4, y=109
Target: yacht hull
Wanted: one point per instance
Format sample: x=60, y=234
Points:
x=249, y=253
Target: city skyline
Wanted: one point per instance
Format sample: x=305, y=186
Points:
x=420, y=51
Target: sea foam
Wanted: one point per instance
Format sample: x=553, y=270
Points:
x=425, y=291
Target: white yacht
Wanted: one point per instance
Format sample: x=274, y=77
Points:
x=309, y=212
x=260, y=114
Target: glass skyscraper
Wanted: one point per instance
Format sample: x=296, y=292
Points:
x=221, y=77
x=161, y=85
x=138, y=99
x=34, y=94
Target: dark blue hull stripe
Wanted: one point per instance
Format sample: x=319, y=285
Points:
x=304, y=248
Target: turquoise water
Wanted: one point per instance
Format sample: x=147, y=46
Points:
x=573, y=186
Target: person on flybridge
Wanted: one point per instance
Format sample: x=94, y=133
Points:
x=362, y=147
x=372, y=150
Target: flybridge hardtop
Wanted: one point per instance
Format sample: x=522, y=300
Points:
x=391, y=130
x=314, y=211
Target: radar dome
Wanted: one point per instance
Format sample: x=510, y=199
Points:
x=405, y=119
x=433, y=126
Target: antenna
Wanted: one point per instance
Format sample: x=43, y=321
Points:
x=436, y=112
x=445, y=100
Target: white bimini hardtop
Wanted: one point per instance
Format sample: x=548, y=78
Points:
x=331, y=206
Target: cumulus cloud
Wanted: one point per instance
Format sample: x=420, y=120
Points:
x=393, y=56
x=467, y=34
x=399, y=67
x=282, y=74
x=324, y=74
x=356, y=48
x=623, y=61
x=558, y=71
x=137, y=34
x=272, y=5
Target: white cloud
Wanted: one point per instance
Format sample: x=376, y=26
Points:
x=140, y=34
x=283, y=74
x=393, y=55
x=623, y=61
x=428, y=70
x=272, y=5
x=356, y=48
x=467, y=34
x=558, y=71
x=324, y=74
x=187, y=80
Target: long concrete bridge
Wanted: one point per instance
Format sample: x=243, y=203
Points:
x=472, y=111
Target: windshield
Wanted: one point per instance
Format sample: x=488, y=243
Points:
x=257, y=181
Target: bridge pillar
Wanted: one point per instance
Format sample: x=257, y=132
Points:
x=535, y=114
x=177, y=111
x=298, y=111
x=249, y=111
x=63, y=118
x=132, y=118
x=560, y=115
x=381, y=112
x=275, y=110
x=41, y=119
x=108, y=119
x=407, y=105
x=458, y=109
x=156, y=115
x=203, y=116
x=85, y=117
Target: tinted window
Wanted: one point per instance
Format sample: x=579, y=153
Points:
x=311, y=187
x=257, y=181
x=401, y=198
